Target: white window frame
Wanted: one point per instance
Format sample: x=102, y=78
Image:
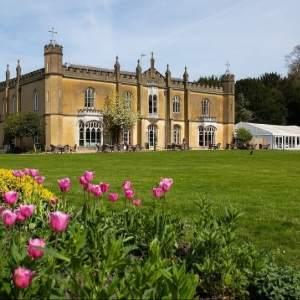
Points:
x=206, y=135
x=153, y=102
x=176, y=134
x=205, y=108
x=90, y=133
x=89, y=98
x=176, y=105
x=152, y=134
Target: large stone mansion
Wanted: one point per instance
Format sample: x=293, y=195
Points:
x=71, y=99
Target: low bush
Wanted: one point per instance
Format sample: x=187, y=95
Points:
x=51, y=250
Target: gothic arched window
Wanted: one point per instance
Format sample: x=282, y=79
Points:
x=206, y=135
x=176, y=134
x=36, y=100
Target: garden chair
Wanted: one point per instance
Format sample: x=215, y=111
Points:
x=73, y=149
x=66, y=149
x=53, y=148
x=47, y=149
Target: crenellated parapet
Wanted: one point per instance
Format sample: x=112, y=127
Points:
x=72, y=70
x=32, y=76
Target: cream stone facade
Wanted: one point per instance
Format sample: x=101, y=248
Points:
x=71, y=99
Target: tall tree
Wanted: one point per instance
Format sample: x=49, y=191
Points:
x=119, y=115
x=242, y=112
x=292, y=61
x=210, y=80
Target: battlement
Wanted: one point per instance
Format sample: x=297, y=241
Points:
x=24, y=78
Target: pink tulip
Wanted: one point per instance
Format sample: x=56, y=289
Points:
x=165, y=183
x=168, y=181
x=87, y=186
x=126, y=185
x=11, y=197
x=157, y=192
x=32, y=251
x=33, y=172
x=27, y=210
x=96, y=190
x=20, y=217
x=59, y=221
x=82, y=180
x=104, y=187
x=8, y=217
x=53, y=201
x=27, y=171
x=2, y=208
x=64, y=184
x=22, y=277
x=18, y=173
x=137, y=202
x=129, y=194
x=89, y=176
x=113, y=197
x=39, y=179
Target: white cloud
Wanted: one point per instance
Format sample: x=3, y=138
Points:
x=254, y=36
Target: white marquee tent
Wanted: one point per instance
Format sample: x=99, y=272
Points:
x=278, y=136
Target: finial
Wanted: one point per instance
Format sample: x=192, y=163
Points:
x=117, y=57
x=152, y=57
x=18, y=62
x=138, y=62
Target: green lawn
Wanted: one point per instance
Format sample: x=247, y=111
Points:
x=265, y=186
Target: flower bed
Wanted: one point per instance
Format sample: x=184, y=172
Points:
x=53, y=251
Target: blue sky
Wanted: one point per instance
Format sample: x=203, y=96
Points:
x=252, y=35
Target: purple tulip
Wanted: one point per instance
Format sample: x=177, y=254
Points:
x=165, y=183
x=82, y=180
x=9, y=217
x=33, y=172
x=20, y=217
x=27, y=171
x=96, y=190
x=113, y=197
x=27, y=210
x=104, y=187
x=53, y=201
x=22, y=277
x=89, y=176
x=32, y=251
x=126, y=185
x=59, y=221
x=11, y=197
x=137, y=202
x=64, y=184
x=39, y=179
x=157, y=192
x=18, y=173
x=129, y=194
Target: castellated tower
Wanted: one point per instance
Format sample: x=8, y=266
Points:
x=229, y=103
x=53, y=55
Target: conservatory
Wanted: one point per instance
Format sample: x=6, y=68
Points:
x=276, y=136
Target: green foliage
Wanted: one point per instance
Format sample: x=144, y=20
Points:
x=119, y=115
x=276, y=282
x=242, y=113
x=243, y=136
x=210, y=80
x=132, y=255
x=23, y=124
